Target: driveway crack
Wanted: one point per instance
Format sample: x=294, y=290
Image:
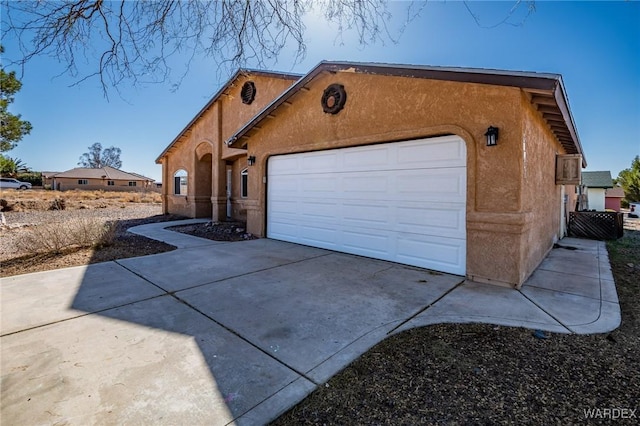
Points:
x=421, y=310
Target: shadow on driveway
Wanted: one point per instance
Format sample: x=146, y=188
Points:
x=205, y=334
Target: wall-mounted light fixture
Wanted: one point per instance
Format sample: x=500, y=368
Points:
x=251, y=160
x=492, y=136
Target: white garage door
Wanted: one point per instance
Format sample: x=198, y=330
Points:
x=402, y=201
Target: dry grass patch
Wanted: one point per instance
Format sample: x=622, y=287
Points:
x=42, y=200
x=93, y=240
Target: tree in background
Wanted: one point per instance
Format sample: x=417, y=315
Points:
x=97, y=157
x=135, y=40
x=12, y=128
x=11, y=167
x=629, y=180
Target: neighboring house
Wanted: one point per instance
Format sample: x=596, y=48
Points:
x=395, y=162
x=613, y=197
x=47, y=179
x=105, y=178
x=595, y=184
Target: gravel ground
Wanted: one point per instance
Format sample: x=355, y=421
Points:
x=218, y=231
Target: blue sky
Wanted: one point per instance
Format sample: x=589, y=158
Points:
x=594, y=45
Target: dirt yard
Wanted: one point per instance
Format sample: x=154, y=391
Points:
x=24, y=211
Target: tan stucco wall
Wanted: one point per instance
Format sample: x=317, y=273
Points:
x=384, y=109
x=542, y=198
x=205, y=157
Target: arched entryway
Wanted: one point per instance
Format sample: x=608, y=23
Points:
x=203, y=180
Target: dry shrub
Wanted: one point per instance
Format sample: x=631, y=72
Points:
x=132, y=197
x=21, y=205
x=151, y=197
x=58, y=236
x=58, y=204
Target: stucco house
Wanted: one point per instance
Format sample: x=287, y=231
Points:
x=466, y=171
x=105, y=178
x=595, y=185
x=47, y=178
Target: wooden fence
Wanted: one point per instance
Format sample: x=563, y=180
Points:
x=596, y=225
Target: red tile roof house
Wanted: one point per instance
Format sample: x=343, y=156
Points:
x=613, y=197
x=452, y=169
x=105, y=178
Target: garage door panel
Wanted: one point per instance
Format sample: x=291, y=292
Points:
x=386, y=201
x=355, y=213
x=364, y=182
x=313, y=235
x=284, y=185
x=320, y=184
x=283, y=207
x=317, y=210
x=432, y=155
x=321, y=161
x=366, y=244
x=287, y=165
x=436, y=222
x=446, y=255
x=285, y=231
x=435, y=185
x=367, y=158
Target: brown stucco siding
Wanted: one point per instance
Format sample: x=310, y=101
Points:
x=383, y=109
x=541, y=196
x=235, y=113
x=202, y=153
x=195, y=154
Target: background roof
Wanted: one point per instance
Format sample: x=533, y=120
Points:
x=101, y=173
x=600, y=179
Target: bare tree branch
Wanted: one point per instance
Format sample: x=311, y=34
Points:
x=139, y=41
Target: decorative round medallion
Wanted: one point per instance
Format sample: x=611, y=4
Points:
x=333, y=99
x=248, y=92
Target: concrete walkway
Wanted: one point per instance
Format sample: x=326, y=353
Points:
x=217, y=333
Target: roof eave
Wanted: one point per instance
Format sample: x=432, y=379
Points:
x=548, y=83
x=563, y=104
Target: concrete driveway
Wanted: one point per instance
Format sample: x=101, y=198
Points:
x=216, y=333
